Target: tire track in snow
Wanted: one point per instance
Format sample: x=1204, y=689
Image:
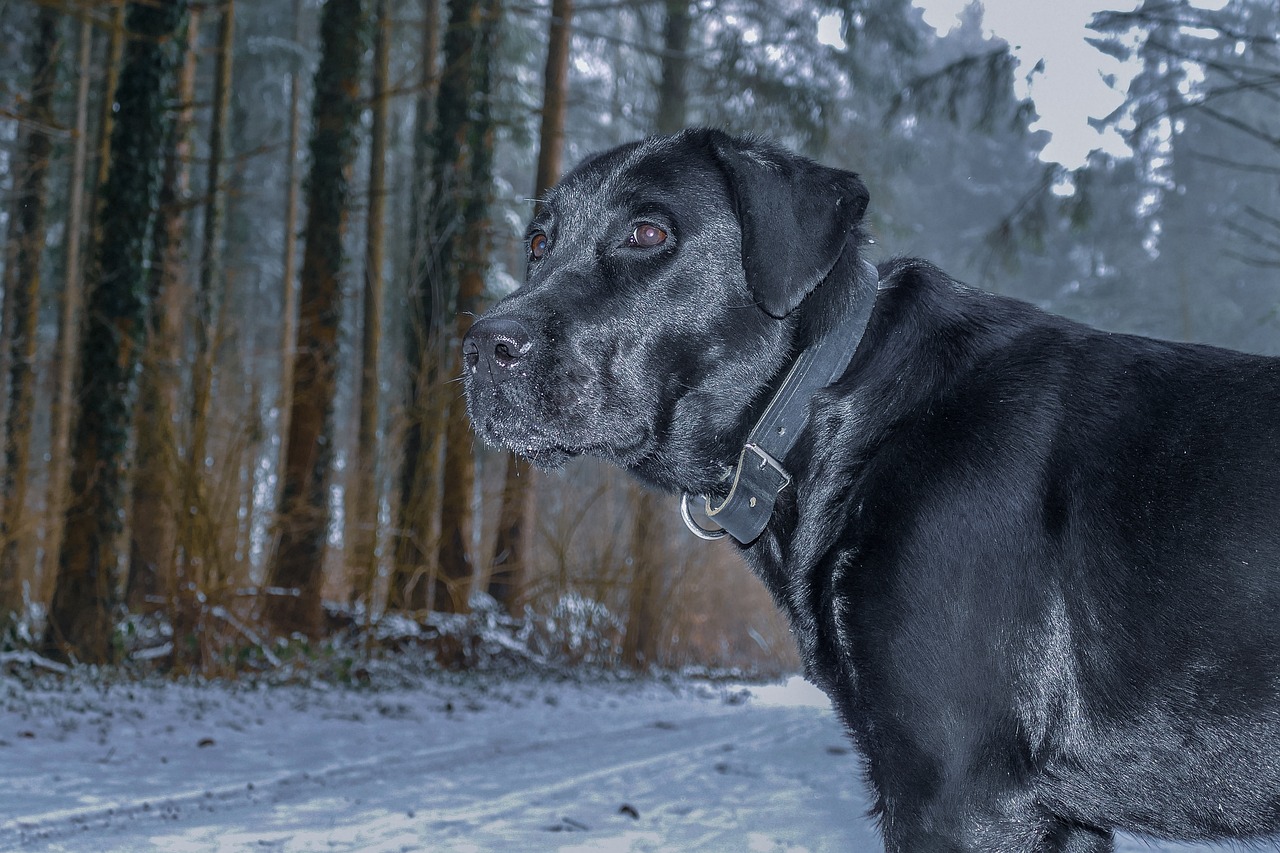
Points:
x=654, y=744
x=436, y=768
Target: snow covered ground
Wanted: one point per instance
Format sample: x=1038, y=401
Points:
x=477, y=763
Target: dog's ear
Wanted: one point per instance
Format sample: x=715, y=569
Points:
x=795, y=216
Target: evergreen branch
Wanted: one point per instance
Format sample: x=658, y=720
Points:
x=1262, y=86
x=1153, y=17
x=1199, y=104
x=1117, y=22
x=942, y=91
x=1024, y=221
x=1232, y=72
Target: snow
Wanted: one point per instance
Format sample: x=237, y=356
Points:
x=1072, y=82
x=441, y=763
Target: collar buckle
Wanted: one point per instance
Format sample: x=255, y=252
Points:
x=768, y=461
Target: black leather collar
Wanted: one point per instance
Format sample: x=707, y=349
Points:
x=760, y=475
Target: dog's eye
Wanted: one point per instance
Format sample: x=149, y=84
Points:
x=538, y=245
x=646, y=236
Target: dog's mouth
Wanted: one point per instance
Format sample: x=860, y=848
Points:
x=542, y=451
x=524, y=439
x=550, y=446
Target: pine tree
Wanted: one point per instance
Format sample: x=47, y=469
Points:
x=199, y=541
x=363, y=523
x=81, y=618
x=461, y=177
x=289, y=284
x=69, y=301
x=418, y=507
x=24, y=310
x=297, y=569
x=155, y=497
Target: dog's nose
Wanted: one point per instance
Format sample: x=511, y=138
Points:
x=497, y=342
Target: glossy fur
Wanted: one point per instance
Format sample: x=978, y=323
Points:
x=1035, y=566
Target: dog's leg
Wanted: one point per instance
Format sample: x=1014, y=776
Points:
x=987, y=832
x=957, y=818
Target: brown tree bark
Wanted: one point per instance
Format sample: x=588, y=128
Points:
x=152, y=581
x=555, y=98
x=464, y=175
x=513, y=540
x=363, y=519
x=296, y=572
x=81, y=617
x=199, y=542
x=418, y=507
x=69, y=300
x=641, y=640
x=289, y=281
x=106, y=119
x=16, y=537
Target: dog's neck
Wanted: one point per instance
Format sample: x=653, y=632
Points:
x=760, y=473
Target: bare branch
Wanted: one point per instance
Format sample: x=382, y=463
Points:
x=1265, y=263
x=1270, y=219
x=1234, y=164
x=1232, y=121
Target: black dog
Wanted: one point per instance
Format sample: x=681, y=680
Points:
x=1035, y=566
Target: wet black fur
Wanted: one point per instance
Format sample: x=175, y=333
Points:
x=1035, y=566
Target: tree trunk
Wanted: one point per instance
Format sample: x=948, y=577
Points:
x=555, y=98
x=153, y=581
x=450, y=173
x=84, y=602
x=363, y=521
x=68, y=377
x=464, y=174
x=29, y=235
x=199, y=541
x=64, y=354
x=417, y=511
x=673, y=99
x=289, y=300
x=297, y=570
x=513, y=544
x=107, y=118
x=640, y=643
x=9, y=282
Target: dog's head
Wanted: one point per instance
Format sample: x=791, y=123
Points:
x=667, y=286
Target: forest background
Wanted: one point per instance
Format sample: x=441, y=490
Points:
x=242, y=239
